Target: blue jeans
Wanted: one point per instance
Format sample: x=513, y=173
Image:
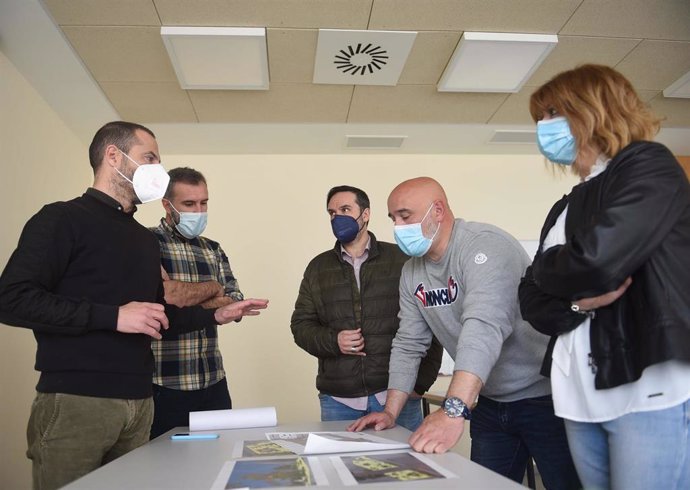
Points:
x=410, y=416
x=636, y=451
x=504, y=435
x=172, y=407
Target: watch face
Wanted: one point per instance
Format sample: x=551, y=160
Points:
x=454, y=407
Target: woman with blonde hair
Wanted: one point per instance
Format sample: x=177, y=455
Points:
x=610, y=283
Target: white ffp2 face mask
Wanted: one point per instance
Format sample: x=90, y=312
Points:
x=150, y=181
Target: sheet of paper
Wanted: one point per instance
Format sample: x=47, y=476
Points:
x=268, y=473
x=333, y=442
x=238, y=418
x=386, y=467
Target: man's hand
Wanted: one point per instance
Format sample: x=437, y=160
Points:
x=351, y=342
x=145, y=318
x=238, y=309
x=379, y=420
x=438, y=433
x=605, y=299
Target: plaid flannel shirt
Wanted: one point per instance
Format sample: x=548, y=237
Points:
x=191, y=361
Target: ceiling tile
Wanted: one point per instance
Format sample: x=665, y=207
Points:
x=428, y=58
x=651, y=19
x=473, y=15
x=291, y=54
x=304, y=14
x=122, y=54
x=670, y=60
x=284, y=102
x=515, y=109
x=103, y=12
x=573, y=51
x=675, y=111
x=420, y=104
x=647, y=95
x=150, y=102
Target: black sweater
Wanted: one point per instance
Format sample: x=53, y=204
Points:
x=75, y=264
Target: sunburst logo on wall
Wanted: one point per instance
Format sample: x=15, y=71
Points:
x=361, y=60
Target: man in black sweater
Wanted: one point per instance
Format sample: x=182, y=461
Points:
x=85, y=277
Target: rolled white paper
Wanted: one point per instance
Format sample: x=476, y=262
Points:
x=238, y=418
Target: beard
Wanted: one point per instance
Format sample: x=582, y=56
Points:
x=124, y=187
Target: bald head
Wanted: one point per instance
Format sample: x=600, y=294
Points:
x=423, y=200
x=420, y=188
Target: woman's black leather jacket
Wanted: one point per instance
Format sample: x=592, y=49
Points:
x=633, y=219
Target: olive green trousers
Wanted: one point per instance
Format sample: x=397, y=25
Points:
x=70, y=435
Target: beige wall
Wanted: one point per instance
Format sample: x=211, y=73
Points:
x=42, y=161
x=268, y=212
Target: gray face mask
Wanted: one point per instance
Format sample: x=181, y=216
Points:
x=150, y=181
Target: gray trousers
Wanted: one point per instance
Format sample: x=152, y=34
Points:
x=70, y=435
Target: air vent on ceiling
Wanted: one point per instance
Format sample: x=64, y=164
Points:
x=514, y=136
x=370, y=142
x=359, y=59
x=351, y=57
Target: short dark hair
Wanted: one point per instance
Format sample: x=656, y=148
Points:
x=361, y=197
x=119, y=133
x=185, y=175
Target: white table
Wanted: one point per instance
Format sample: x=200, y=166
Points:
x=192, y=465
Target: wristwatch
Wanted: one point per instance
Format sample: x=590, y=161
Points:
x=454, y=407
x=575, y=308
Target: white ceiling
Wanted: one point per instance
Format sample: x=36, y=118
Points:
x=98, y=60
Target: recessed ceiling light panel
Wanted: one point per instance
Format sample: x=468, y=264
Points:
x=495, y=62
x=679, y=88
x=374, y=142
x=349, y=57
x=514, y=136
x=229, y=58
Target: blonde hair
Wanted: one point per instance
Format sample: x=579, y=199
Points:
x=601, y=106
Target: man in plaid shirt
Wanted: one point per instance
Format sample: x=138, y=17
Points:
x=189, y=373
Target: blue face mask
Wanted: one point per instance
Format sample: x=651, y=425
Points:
x=190, y=225
x=411, y=239
x=555, y=140
x=345, y=228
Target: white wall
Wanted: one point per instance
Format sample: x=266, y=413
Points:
x=268, y=212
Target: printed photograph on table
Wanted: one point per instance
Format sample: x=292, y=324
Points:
x=270, y=473
x=382, y=467
x=259, y=448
